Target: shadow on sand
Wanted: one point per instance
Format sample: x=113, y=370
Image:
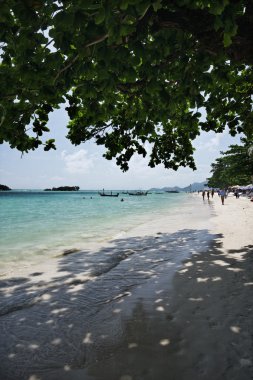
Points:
x=170, y=306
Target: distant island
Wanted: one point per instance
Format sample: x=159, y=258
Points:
x=4, y=188
x=196, y=186
x=64, y=188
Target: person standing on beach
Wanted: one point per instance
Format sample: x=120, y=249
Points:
x=212, y=193
x=237, y=195
x=222, y=195
x=203, y=194
x=208, y=194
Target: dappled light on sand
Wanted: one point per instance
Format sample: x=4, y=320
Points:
x=164, y=342
x=235, y=329
x=135, y=313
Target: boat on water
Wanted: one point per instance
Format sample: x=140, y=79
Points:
x=103, y=194
x=172, y=191
x=138, y=193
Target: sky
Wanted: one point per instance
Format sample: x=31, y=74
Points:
x=85, y=167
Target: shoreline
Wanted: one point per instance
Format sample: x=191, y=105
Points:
x=176, y=302
x=83, y=234
x=38, y=263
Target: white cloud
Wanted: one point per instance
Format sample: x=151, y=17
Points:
x=212, y=145
x=78, y=162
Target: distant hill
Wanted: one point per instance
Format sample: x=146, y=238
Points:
x=196, y=186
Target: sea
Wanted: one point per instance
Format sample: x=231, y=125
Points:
x=36, y=225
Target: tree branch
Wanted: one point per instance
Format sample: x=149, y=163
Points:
x=95, y=42
x=66, y=67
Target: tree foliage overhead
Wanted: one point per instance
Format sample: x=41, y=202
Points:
x=235, y=167
x=129, y=71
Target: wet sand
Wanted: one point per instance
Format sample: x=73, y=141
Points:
x=170, y=300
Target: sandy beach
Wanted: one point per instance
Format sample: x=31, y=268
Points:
x=174, y=302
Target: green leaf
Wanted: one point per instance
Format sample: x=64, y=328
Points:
x=218, y=23
x=124, y=5
x=227, y=41
x=100, y=16
x=142, y=7
x=157, y=5
x=217, y=7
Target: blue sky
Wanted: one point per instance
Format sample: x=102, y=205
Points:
x=84, y=165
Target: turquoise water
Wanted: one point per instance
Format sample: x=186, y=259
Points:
x=42, y=224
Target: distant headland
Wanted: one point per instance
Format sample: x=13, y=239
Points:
x=4, y=188
x=64, y=188
x=192, y=187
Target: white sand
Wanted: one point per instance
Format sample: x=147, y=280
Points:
x=150, y=316
x=214, y=304
x=235, y=221
x=201, y=328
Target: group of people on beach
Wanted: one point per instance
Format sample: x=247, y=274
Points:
x=222, y=194
x=207, y=193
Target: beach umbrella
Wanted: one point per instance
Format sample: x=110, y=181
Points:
x=248, y=187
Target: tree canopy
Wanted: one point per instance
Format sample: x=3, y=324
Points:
x=235, y=167
x=129, y=72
